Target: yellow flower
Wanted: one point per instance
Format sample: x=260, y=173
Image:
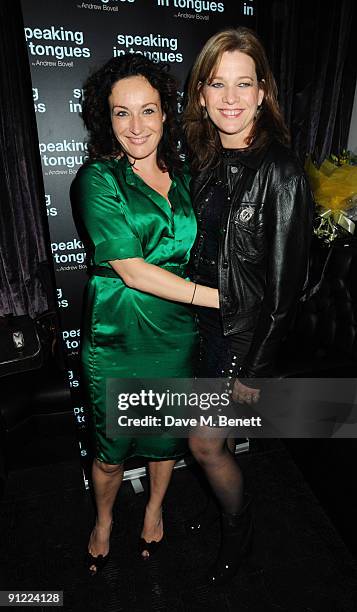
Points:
x=334, y=187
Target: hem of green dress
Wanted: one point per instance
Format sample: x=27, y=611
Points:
x=179, y=456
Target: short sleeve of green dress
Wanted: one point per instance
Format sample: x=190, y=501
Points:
x=127, y=333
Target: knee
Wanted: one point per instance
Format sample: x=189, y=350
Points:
x=204, y=451
x=108, y=468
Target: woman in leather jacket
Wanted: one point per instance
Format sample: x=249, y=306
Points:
x=254, y=210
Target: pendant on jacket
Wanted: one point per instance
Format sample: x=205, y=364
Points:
x=246, y=214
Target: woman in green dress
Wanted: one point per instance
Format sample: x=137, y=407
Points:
x=132, y=199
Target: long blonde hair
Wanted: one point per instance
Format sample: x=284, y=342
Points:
x=201, y=134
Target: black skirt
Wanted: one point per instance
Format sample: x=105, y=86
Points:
x=219, y=354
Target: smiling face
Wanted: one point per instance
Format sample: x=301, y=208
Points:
x=137, y=117
x=231, y=97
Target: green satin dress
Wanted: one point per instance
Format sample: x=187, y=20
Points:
x=127, y=333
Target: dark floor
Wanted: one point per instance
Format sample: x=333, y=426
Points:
x=298, y=562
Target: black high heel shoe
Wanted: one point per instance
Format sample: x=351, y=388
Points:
x=236, y=541
x=99, y=562
x=150, y=547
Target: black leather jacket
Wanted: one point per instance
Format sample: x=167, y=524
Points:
x=265, y=231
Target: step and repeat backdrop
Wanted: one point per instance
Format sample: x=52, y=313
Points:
x=66, y=41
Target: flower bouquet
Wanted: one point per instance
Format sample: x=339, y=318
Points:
x=334, y=186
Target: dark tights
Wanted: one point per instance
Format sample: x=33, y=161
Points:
x=221, y=469
x=218, y=353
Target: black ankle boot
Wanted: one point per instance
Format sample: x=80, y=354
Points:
x=237, y=530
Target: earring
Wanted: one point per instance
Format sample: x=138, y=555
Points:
x=259, y=108
x=204, y=112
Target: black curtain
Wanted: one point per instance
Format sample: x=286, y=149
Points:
x=26, y=276
x=310, y=45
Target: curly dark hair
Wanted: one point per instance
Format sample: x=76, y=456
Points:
x=102, y=142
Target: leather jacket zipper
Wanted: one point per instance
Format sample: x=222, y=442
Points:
x=224, y=229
